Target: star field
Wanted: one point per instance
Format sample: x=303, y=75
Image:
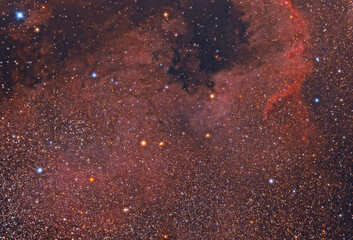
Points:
x=187, y=119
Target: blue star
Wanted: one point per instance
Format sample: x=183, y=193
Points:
x=94, y=75
x=271, y=181
x=317, y=100
x=20, y=15
x=39, y=170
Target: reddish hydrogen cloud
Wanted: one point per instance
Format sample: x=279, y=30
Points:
x=175, y=135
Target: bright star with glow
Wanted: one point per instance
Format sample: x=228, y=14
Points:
x=20, y=15
x=39, y=170
x=317, y=100
x=271, y=181
x=94, y=75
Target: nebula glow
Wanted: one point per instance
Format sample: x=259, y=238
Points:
x=187, y=119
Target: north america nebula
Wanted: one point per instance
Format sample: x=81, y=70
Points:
x=190, y=119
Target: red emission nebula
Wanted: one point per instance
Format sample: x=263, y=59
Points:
x=166, y=119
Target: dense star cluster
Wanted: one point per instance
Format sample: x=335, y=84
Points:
x=176, y=119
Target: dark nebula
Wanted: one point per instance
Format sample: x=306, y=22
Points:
x=215, y=33
x=187, y=119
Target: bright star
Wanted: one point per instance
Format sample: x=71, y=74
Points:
x=39, y=170
x=20, y=15
x=317, y=100
x=271, y=181
x=94, y=75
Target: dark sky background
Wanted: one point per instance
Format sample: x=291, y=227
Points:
x=187, y=119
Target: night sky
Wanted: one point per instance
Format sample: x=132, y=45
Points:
x=190, y=119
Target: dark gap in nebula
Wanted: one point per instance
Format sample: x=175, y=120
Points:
x=31, y=59
x=8, y=49
x=209, y=48
x=16, y=65
x=6, y=60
